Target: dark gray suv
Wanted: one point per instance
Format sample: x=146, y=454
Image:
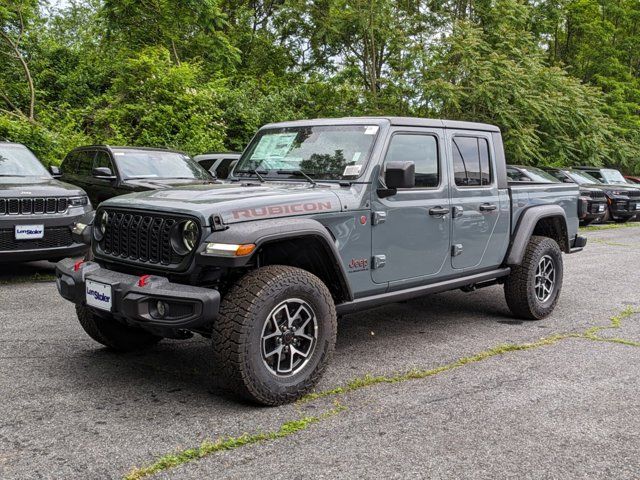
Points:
x=37, y=212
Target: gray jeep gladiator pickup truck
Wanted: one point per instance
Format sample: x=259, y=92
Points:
x=319, y=218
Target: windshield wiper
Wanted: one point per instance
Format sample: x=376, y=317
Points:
x=297, y=172
x=255, y=172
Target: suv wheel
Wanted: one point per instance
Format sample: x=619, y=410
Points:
x=275, y=334
x=113, y=334
x=532, y=289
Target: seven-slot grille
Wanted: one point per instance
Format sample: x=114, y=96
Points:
x=597, y=194
x=140, y=237
x=635, y=194
x=33, y=206
x=53, y=237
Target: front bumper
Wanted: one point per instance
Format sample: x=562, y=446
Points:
x=135, y=301
x=590, y=209
x=624, y=208
x=32, y=255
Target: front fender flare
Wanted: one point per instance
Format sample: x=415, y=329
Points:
x=262, y=232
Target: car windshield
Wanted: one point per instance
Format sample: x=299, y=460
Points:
x=323, y=152
x=582, y=178
x=530, y=174
x=612, y=176
x=155, y=164
x=18, y=161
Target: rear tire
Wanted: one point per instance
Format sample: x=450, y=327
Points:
x=114, y=334
x=532, y=289
x=275, y=335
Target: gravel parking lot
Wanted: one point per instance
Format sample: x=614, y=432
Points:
x=448, y=386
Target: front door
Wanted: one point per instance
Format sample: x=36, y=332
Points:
x=411, y=229
x=475, y=200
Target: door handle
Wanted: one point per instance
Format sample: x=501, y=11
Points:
x=438, y=211
x=488, y=207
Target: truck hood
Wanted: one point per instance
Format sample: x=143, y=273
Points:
x=159, y=183
x=236, y=202
x=37, y=187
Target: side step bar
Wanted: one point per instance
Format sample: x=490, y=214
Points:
x=415, y=292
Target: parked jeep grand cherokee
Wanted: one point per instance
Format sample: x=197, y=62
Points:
x=321, y=218
x=592, y=203
x=37, y=212
x=623, y=201
x=105, y=172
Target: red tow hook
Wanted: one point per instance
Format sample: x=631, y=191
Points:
x=77, y=265
x=144, y=279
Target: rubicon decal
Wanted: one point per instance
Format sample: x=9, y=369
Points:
x=281, y=210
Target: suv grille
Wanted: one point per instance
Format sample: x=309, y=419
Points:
x=635, y=194
x=140, y=237
x=33, y=206
x=597, y=194
x=53, y=237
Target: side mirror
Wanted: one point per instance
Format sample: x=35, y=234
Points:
x=103, y=173
x=55, y=171
x=400, y=175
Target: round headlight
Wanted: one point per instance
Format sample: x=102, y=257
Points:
x=189, y=234
x=100, y=225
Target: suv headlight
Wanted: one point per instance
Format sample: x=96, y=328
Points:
x=184, y=237
x=79, y=201
x=100, y=225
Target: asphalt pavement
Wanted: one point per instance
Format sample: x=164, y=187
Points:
x=447, y=386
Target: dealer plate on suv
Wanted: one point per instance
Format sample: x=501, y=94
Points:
x=98, y=295
x=29, y=232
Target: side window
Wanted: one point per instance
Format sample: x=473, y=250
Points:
x=471, y=164
x=103, y=160
x=597, y=174
x=420, y=149
x=206, y=164
x=514, y=175
x=224, y=168
x=85, y=162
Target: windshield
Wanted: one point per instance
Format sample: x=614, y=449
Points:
x=612, y=176
x=530, y=174
x=18, y=161
x=156, y=164
x=582, y=178
x=325, y=152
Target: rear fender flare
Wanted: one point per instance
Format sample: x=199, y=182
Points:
x=526, y=226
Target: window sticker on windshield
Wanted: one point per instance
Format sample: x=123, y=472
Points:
x=274, y=145
x=356, y=157
x=119, y=153
x=352, y=170
x=371, y=130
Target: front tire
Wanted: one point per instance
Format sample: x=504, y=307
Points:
x=275, y=335
x=532, y=289
x=113, y=334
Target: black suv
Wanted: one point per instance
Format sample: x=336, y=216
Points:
x=105, y=172
x=218, y=164
x=623, y=200
x=37, y=212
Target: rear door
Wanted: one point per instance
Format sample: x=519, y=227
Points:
x=475, y=200
x=409, y=241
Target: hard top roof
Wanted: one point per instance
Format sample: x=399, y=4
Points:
x=395, y=121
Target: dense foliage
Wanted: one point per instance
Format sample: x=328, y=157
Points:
x=560, y=77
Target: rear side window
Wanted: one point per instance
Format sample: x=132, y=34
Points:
x=471, y=164
x=85, y=162
x=422, y=150
x=70, y=163
x=597, y=175
x=224, y=168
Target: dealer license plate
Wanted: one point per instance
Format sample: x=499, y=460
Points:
x=29, y=232
x=600, y=208
x=98, y=295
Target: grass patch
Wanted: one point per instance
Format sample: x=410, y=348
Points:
x=34, y=278
x=609, y=226
x=610, y=244
x=230, y=443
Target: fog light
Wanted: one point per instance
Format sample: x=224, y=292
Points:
x=78, y=228
x=162, y=308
